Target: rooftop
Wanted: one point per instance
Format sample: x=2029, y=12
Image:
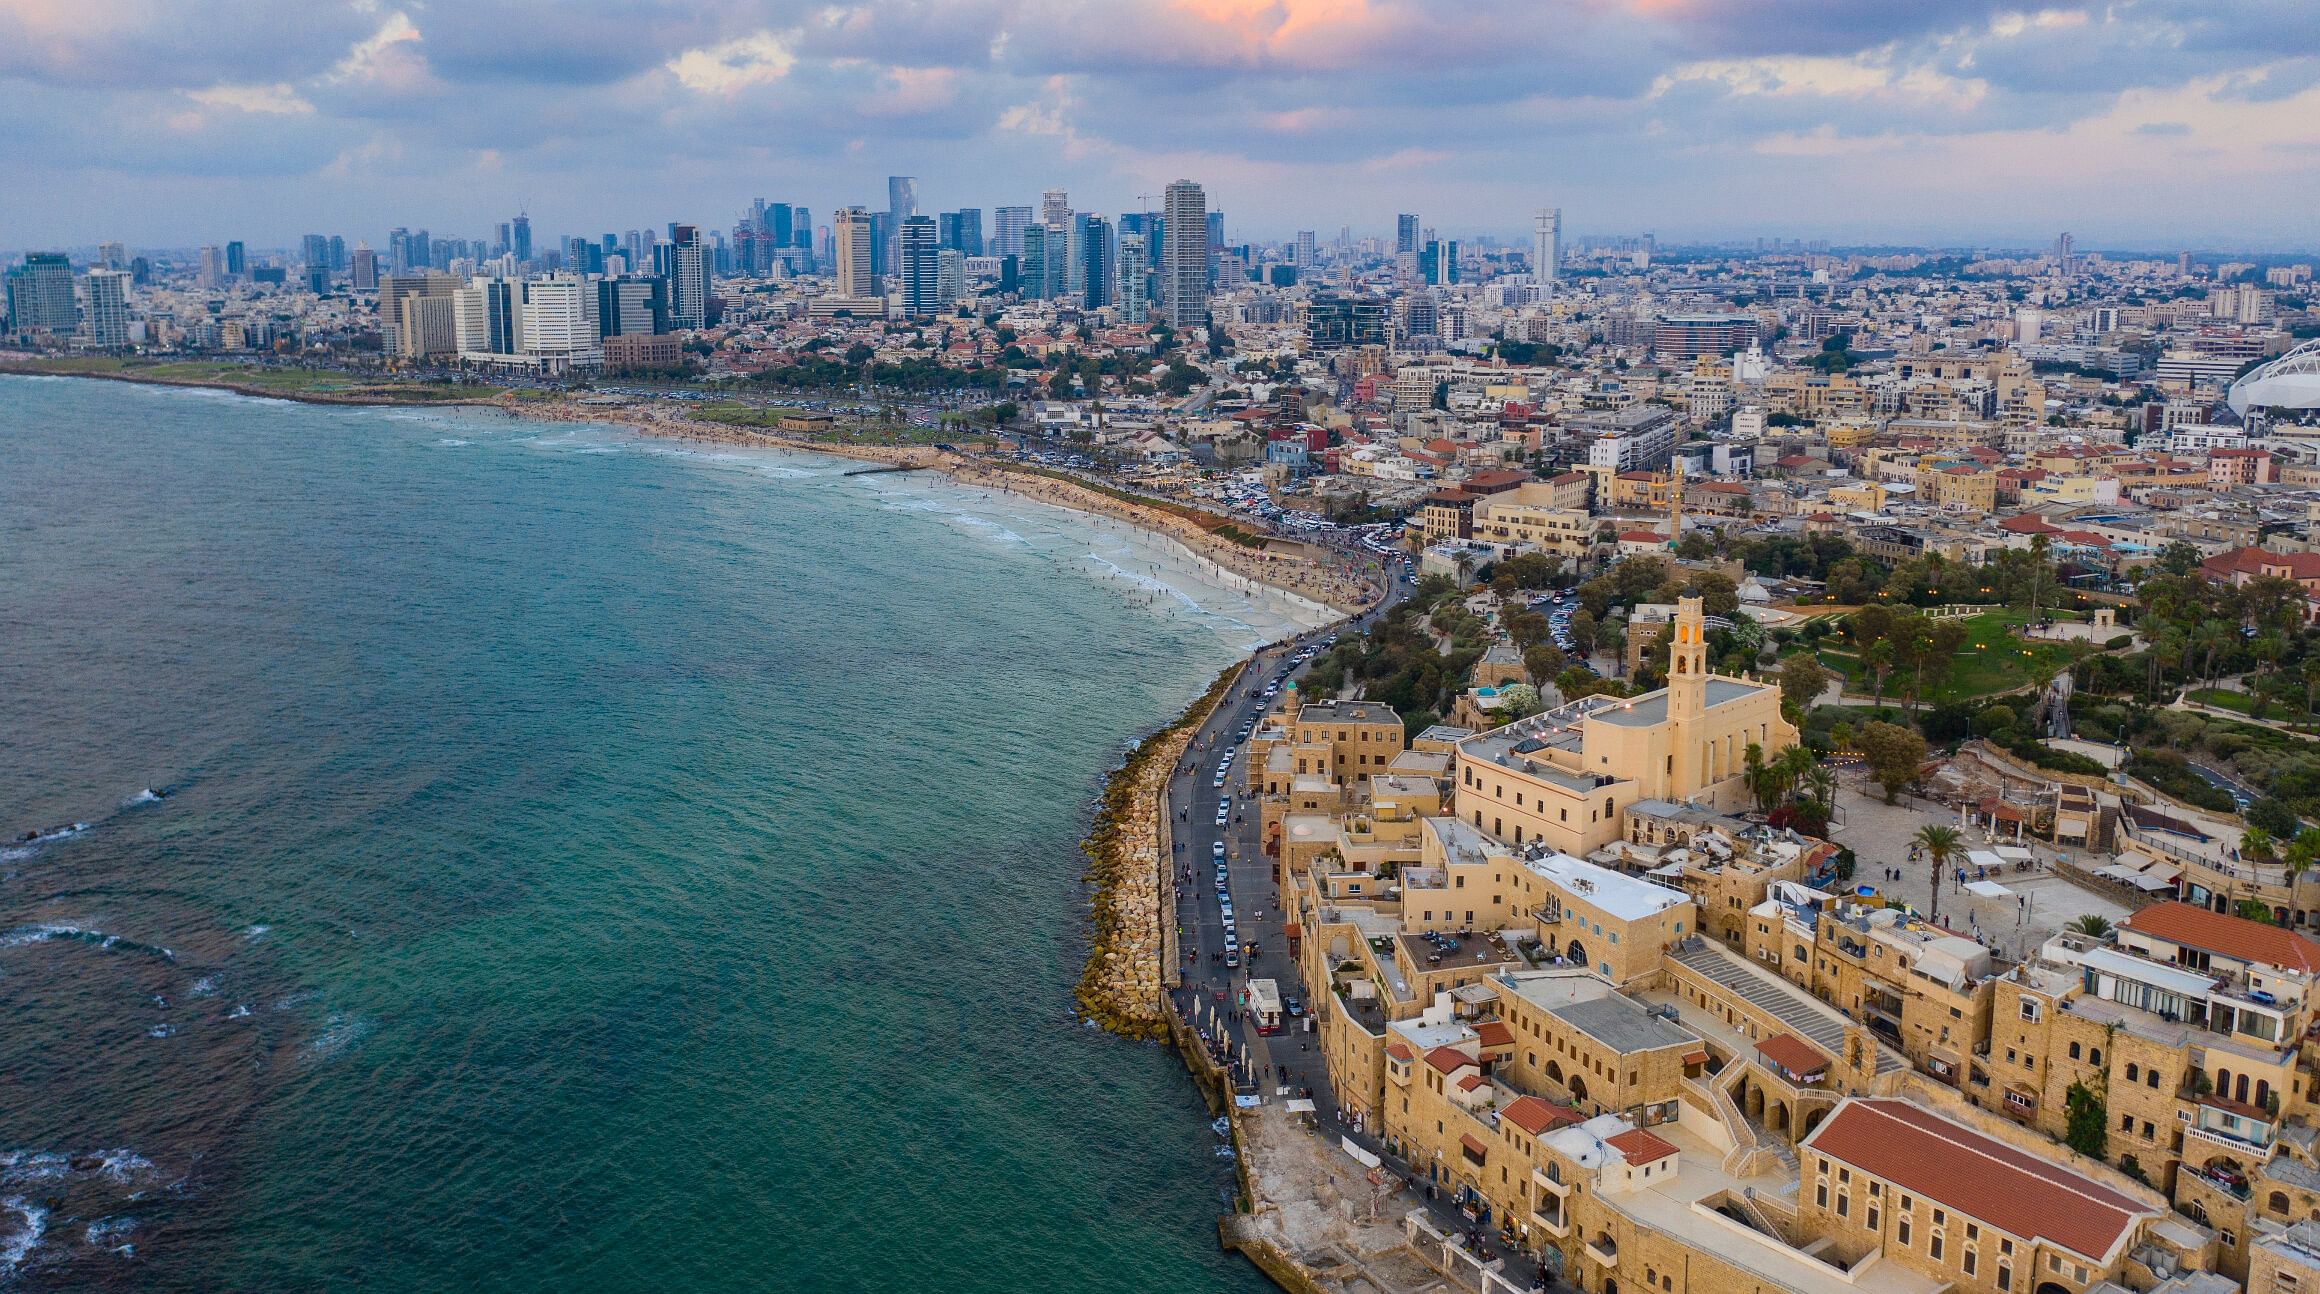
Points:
x=1980, y=1176
x=2235, y=937
x=1629, y=898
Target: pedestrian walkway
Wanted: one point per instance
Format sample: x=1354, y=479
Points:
x=1797, y=1012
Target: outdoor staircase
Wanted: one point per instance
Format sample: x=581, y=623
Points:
x=1753, y=1204
x=1800, y=1014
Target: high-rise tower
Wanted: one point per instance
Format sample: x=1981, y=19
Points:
x=1184, y=255
x=1547, y=245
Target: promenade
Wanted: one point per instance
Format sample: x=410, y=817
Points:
x=1314, y=1203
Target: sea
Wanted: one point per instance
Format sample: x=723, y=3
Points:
x=444, y=851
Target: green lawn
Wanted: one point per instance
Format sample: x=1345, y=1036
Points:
x=1994, y=660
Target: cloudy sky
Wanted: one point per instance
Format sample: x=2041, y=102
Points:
x=2136, y=123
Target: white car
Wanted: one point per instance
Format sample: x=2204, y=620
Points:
x=1223, y=816
x=1219, y=852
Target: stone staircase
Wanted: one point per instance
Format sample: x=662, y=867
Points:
x=1797, y=1012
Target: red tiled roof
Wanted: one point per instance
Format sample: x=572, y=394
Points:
x=1642, y=537
x=2216, y=932
x=2012, y=1190
x=1473, y=1145
x=1535, y=1116
x=1793, y=1054
x=1448, y=1059
x=1640, y=1147
x=2256, y=561
x=1470, y=1082
x=1494, y=1033
x=1400, y=1052
x=2025, y=524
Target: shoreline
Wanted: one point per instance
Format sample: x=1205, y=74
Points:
x=1123, y=986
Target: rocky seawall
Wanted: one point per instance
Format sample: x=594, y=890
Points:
x=1120, y=988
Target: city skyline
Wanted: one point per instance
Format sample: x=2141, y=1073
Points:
x=1935, y=125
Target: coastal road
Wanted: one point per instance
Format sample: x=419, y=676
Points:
x=1287, y=1059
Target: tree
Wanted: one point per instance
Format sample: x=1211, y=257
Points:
x=1520, y=701
x=1802, y=680
x=2087, y=1122
x=2272, y=814
x=1878, y=657
x=1939, y=843
x=1893, y=754
x=1582, y=630
x=1543, y=661
x=2094, y=924
x=2255, y=844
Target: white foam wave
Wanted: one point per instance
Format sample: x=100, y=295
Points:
x=22, y=1167
x=453, y=442
x=104, y=1231
x=240, y=1012
x=162, y=1031
x=204, y=986
x=256, y=932
x=338, y=1035
x=32, y=1223
x=23, y=936
x=1149, y=583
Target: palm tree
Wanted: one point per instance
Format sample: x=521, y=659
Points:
x=1878, y=657
x=2092, y=924
x=1940, y=844
x=1821, y=784
x=2256, y=844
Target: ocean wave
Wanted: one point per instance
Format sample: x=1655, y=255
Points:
x=203, y=987
x=32, y=1223
x=24, y=936
x=31, y=839
x=1155, y=585
x=255, y=933
x=453, y=442
x=105, y=1231
x=338, y=1035
x=162, y=1031
x=241, y=1011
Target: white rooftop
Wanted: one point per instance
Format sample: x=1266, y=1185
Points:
x=1630, y=898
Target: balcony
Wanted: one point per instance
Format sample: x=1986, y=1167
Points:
x=1549, y=1186
x=1556, y=1224
x=1603, y=1249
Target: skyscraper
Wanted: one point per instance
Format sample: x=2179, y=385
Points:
x=950, y=275
x=1054, y=207
x=113, y=256
x=901, y=204
x=2065, y=256
x=881, y=243
x=520, y=239
x=237, y=260
x=688, y=278
x=1098, y=254
x=966, y=231
x=40, y=294
x=920, y=245
x=107, y=320
x=1307, y=255
x=1007, y=226
x=1547, y=245
x=1134, y=270
x=1031, y=265
x=1184, y=258
x=850, y=234
x=1405, y=233
x=213, y=266
x=365, y=269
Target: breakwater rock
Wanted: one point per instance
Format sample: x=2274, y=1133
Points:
x=1120, y=988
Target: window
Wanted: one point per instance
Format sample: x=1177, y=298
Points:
x=2030, y=1010
x=2151, y=1079
x=1901, y=1230
x=1845, y=1206
x=2277, y=1202
x=2005, y=1277
x=2074, y=1051
x=1821, y=1196
x=2134, y=1072
x=1872, y=1215
x=1933, y=1248
x=1973, y=1260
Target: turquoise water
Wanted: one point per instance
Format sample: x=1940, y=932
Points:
x=579, y=863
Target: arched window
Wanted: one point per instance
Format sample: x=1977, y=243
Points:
x=2134, y=1072
x=2277, y=1202
x=2094, y=1056
x=2074, y=1051
x=2151, y=1080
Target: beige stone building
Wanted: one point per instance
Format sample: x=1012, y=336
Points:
x=1565, y=777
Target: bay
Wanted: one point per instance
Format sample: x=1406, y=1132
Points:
x=572, y=861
